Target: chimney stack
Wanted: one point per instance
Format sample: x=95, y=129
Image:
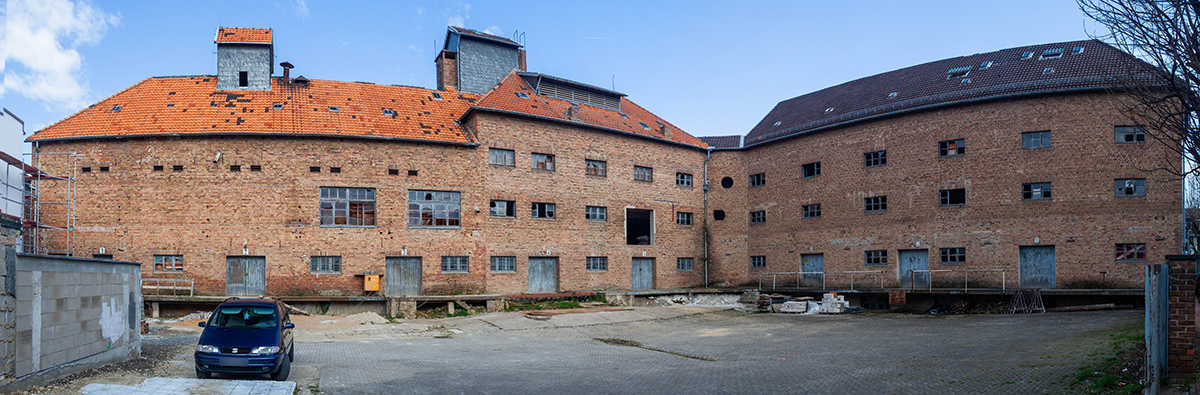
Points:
x=521, y=59
x=286, y=67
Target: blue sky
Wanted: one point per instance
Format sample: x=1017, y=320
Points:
x=712, y=68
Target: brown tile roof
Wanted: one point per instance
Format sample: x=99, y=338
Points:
x=193, y=106
x=734, y=141
x=503, y=98
x=476, y=33
x=243, y=35
x=933, y=84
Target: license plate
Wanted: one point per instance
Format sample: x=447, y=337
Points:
x=235, y=362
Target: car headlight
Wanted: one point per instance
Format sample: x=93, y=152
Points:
x=204, y=348
x=265, y=350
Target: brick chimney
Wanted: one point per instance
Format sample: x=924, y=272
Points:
x=447, y=69
x=521, y=59
x=665, y=131
x=286, y=68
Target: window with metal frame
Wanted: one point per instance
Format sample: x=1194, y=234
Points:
x=543, y=161
x=954, y=256
x=455, y=264
x=596, y=167
x=684, y=264
x=504, y=264
x=758, y=262
x=811, y=210
x=1129, y=134
x=683, y=219
x=504, y=208
x=1131, y=252
x=683, y=179
x=597, y=263
x=952, y=148
x=325, y=265
x=168, y=263
x=875, y=204
x=642, y=173
x=1031, y=140
x=875, y=159
x=1130, y=186
x=953, y=197
x=810, y=170
x=596, y=213
x=347, y=206
x=1035, y=191
x=876, y=257
x=433, y=209
x=501, y=157
x=758, y=217
x=758, y=180
x=543, y=210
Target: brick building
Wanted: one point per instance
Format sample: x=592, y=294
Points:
x=502, y=180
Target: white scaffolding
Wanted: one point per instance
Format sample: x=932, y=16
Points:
x=50, y=224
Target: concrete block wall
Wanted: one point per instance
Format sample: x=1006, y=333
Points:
x=482, y=64
x=73, y=314
x=255, y=59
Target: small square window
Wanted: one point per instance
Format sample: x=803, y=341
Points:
x=876, y=258
x=504, y=264
x=758, y=217
x=597, y=263
x=642, y=173
x=177, y=168
x=543, y=161
x=811, y=210
x=393, y=172
x=811, y=170
x=455, y=264
x=86, y=169
x=953, y=197
x=596, y=167
x=314, y=169
x=168, y=263
x=875, y=159
x=255, y=168
x=103, y=169
x=758, y=262
x=158, y=168
x=412, y=173
x=235, y=168
x=335, y=170
x=543, y=210
x=954, y=256
x=1130, y=134
x=500, y=157
x=1130, y=186
x=1131, y=252
x=875, y=204
x=1031, y=140
x=683, y=219
x=758, y=180
x=1035, y=191
x=683, y=179
x=951, y=148
x=325, y=265
x=504, y=208
x=684, y=264
x=596, y=213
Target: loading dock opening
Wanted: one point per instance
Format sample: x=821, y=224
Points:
x=639, y=227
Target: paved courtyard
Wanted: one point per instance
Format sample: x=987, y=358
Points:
x=725, y=352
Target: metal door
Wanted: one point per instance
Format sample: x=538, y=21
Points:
x=1037, y=267
x=245, y=275
x=543, y=275
x=643, y=273
x=911, y=260
x=813, y=263
x=402, y=276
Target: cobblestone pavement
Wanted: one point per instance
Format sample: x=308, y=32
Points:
x=729, y=351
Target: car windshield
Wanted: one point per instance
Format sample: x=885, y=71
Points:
x=244, y=317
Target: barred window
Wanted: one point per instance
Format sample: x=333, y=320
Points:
x=543, y=161
x=503, y=208
x=951, y=148
x=1135, y=252
x=1035, y=191
x=596, y=167
x=875, y=159
x=641, y=173
x=1130, y=186
x=325, y=264
x=875, y=204
x=347, y=206
x=683, y=179
x=168, y=263
x=433, y=209
x=758, y=217
x=954, y=256
x=596, y=213
x=597, y=263
x=876, y=258
x=455, y=264
x=758, y=262
x=502, y=157
x=505, y=264
x=684, y=264
x=811, y=210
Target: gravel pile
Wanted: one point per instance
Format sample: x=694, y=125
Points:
x=367, y=318
x=698, y=300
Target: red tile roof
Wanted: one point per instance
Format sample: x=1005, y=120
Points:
x=503, y=98
x=193, y=106
x=243, y=35
x=933, y=84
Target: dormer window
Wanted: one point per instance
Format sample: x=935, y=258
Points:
x=1052, y=53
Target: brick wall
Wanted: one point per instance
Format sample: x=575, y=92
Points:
x=235, y=58
x=447, y=69
x=728, y=237
x=1181, y=330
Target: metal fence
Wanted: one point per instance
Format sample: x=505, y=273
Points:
x=966, y=277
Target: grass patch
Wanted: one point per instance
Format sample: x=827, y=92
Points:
x=552, y=305
x=1120, y=369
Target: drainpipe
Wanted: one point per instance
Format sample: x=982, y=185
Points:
x=707, y=157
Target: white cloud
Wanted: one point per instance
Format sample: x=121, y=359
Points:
x=456, y=20
x=493, y=30
x=300, y=8
x=415, y=49
x=41, y=37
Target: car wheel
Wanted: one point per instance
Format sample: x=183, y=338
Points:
x=292, y=352
x=200, y=374
x=285, y=368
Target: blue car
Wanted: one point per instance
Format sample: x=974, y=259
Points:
x=246, y=336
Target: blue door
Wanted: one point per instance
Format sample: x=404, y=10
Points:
x=814, y=270
x=543, y=275
x=643, y=273
x=1037, y=267
x=910, y=262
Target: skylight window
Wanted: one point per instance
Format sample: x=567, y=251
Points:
x=892, y=95
x=644, y=125
x=1052, y=53
x=387, y=112
x=966, y=81
x=1077, y=51
x=277, y=106
x=985, y=65
x=960, y=71
x=660, y=124
x=437, y=96
x=1026, y=55
x=829, y=110
x=116, y=109
x=522, y=95
x=777, y=123
x=1048, y=70
x=623, y=115
x=333, y=109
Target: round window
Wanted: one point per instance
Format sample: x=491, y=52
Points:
x=719, y=215
x=727, y=182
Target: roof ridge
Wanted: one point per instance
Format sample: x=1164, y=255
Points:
x=77, y=113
